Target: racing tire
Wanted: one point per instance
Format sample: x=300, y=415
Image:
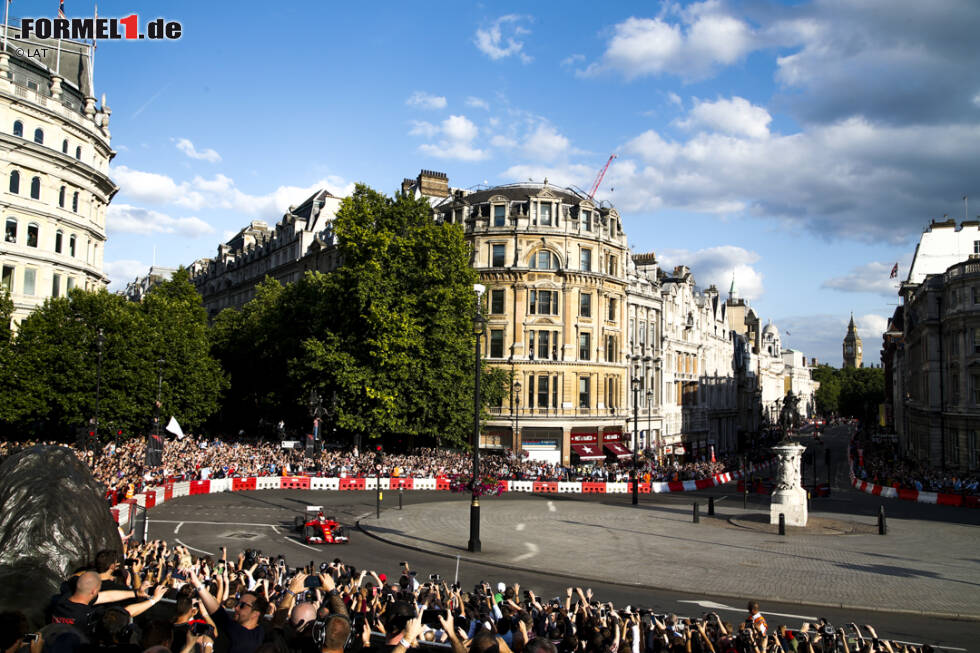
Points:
x=298, y=523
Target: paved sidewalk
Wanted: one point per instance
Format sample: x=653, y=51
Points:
x=919, y=566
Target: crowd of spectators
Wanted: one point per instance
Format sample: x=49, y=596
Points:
x=880, y=461
x=158, y=598
x=121, y=467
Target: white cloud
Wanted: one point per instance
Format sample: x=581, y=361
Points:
x=145, y=186
x=503, y=38
x=573, y=59
x=872, y=278
x=187, y=147
x=125, y=218
x=123, y=271
x=690, y=43
x=736, y=116
x=477, y=103
x=423, y=128
x=715, y=266
x=424, y=100
x=456, y=142
x=545, y=143
x=675, y=99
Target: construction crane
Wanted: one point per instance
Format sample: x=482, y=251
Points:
x=598, y=178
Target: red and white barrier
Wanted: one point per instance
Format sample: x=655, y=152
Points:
x=154, y=496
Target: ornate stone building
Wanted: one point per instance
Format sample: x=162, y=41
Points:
x=55, y=153
x=852, y=347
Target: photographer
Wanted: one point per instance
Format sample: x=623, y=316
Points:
x=243, y=629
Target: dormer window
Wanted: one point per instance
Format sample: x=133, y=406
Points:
x=499, y=215
x=545, y=213
x=586, y=220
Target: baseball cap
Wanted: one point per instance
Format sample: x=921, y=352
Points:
x=382, y=578
x=501, y=587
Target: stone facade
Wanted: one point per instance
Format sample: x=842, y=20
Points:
x=55, y=153
x=136, y=289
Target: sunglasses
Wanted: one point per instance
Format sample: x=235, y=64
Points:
x=243, y=604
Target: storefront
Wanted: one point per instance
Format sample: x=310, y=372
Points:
x=585, y=447
x=613, y=444
x=542, y=444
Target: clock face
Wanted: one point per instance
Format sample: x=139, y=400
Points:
x=848, y=349
x=859, y=349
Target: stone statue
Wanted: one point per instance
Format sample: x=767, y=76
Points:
x=789, y=497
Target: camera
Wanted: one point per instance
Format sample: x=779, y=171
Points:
x=30, y=637
x=435, y=577
x=200, y=628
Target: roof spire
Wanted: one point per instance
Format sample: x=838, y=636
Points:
x=732, y=292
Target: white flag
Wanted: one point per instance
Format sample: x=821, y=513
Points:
x=174, y=427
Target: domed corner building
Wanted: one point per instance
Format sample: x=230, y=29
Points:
x=54, y=144
x=554, y=263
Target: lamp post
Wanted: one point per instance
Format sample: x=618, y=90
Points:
x=636, y=428
x=517, y=412
x=99, y=341
x=160, y=364
x=649, y=417
x=316, y=409
x=479, y=326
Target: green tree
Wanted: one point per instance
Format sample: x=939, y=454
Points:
x=828, y=394
x=6, y=315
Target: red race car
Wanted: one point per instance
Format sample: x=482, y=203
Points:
x=320, y=529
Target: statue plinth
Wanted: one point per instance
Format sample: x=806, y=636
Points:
x=789, y=497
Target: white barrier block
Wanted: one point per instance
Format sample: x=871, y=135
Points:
x=332, y=483
x=182, y=489
x=319, y=483
x=889, y=492
x=140, y=499
x=372, y=483
x=927, y=497
x=690, y=486
x=424, y=484
x=572, y=488
x=220, y=485
x=520, y=486
x=268, y=483
x=659, y=487
x=616, y=488
x=123, y=512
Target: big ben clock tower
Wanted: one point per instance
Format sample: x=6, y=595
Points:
x=852, y=346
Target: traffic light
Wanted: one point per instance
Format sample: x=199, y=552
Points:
x=378, y=457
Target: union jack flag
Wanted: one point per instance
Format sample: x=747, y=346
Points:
x=894, y=272
x=61, y=9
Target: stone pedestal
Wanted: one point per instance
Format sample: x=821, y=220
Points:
x=789, y=497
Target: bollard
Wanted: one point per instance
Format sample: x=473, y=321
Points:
x=745, y=497
x=882, y=526
x=711, y=505
x=401, y=491
x=782, y=524
x=697, y=513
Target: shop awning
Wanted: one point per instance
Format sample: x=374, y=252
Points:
x=617, y=449
x=588, y=451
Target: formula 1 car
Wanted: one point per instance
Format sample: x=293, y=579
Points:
x=319, y=529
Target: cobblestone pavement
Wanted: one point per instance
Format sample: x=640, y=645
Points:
x=921, y=566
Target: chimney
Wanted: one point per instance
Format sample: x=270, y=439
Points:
x=813, y=362
x=433, y=184
x=407, y=185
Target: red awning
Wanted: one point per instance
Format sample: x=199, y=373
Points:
x=617, y=449
x=588, y=451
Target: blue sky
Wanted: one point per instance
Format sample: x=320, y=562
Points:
x=802, y=145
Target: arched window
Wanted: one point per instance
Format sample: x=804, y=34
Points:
x=61, y=197
x=39, y=136
x=544, y=260
x=36, y=188
x=71, y=245
x=59, y=238
x=18, y=128
x=10, y=231
x=64, y=146
x=74, y=202
x=14, y=181
x=78, y=152
x=32, y=234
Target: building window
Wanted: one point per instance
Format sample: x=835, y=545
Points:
x=976, y=295
x=611, y=354
x=611, y=265
x=496, y=343
x=585, y=260
x=543, y=302
x=587, y=220
x=544, y=260
x=499, y=215
x=71, y=245
x=36, y=188
x=39, y=136
x=499, y=254
x=8, y=279
x=543, y=391
x=56, y=285
x=584, y=392
x=585, y=305
x=585, y=346
x=497, y=301
x=61, y=197
x=976, y=389
x=32, y=232
x=30, y=275
x=59, y=237
x=10, y=232
x=71, y=283
x=976, y=246
x=612, y=309
x=14, y=181
x=74, y=202
x=78, y=152
x=971, y=448
x=546, y=213
x=18, y=128
x=64, y=146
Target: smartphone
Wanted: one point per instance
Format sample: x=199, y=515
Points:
x=430, y=617
x=30, y=637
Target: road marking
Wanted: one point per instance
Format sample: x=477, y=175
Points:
x=551, y=507
x=532, y=550
x=519, y=527
x=193, y=547
x=177, y=530
x=311, y=548
x=212, y=523
x=711, y=605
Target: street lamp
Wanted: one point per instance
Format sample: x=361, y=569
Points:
x=517, y=412
x=649, y=417
x=160, y=364
x=636, y=428
x=479, y=326
x=99, y=341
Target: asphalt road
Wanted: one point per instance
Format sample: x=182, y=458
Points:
x=263, y=520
